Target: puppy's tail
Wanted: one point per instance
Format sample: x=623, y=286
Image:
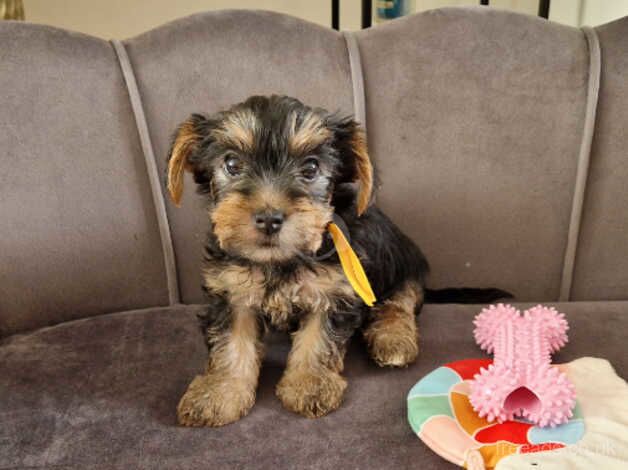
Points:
x=465, y=295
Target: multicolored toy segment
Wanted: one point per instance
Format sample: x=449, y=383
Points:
x=441, y=414
x=521, y=381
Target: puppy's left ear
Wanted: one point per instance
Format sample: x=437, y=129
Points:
x=183, y=152
x=356, y=165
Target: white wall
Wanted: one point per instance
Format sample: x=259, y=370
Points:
x=595, y=12
x=126, y=18
x=566, y=11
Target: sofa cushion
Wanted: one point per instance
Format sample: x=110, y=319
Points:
x=601, y=273
x=477, y=140
x=78, y=229
x=102, y=393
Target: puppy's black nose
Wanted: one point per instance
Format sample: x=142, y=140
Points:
x=268, y=222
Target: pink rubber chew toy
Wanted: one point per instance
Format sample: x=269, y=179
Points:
x=521, y=381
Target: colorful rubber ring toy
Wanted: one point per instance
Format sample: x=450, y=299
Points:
x=441, y=414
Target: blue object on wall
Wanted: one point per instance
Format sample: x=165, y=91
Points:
x=391, y=9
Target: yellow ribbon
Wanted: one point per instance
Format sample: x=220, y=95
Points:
x=351, y=266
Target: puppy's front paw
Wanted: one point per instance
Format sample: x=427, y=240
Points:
x=392, y=344
x=212, y=400
x=309, y=394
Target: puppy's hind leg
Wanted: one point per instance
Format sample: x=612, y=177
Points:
x=392, y=335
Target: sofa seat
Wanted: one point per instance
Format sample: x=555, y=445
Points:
x=102, y=393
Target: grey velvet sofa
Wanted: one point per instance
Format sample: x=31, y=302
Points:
x=501, y=143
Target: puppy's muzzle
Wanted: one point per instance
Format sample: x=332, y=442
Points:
x=269, y=222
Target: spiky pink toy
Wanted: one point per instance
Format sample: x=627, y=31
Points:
x=521, y=381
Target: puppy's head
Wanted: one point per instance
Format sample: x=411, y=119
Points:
x=272, y=168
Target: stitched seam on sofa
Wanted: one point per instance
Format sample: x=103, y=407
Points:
x=584, y=158
x=97, y=317
x=151, y=170
x=357, y=78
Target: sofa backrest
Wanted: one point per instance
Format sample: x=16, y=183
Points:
x=475, y=120
x=480, y=135
x=601, y=270
x=78, y=232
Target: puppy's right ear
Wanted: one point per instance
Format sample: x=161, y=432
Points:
x=185, y=146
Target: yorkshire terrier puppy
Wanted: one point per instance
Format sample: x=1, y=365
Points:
x=274, y=172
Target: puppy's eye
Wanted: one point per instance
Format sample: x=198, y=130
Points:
x=233, y=165
x=310, y=169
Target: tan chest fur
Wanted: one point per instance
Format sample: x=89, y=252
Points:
x=308, y=291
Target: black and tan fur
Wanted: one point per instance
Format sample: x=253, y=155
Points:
x=274, y=171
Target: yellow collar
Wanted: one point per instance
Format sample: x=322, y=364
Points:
x=351, y=265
